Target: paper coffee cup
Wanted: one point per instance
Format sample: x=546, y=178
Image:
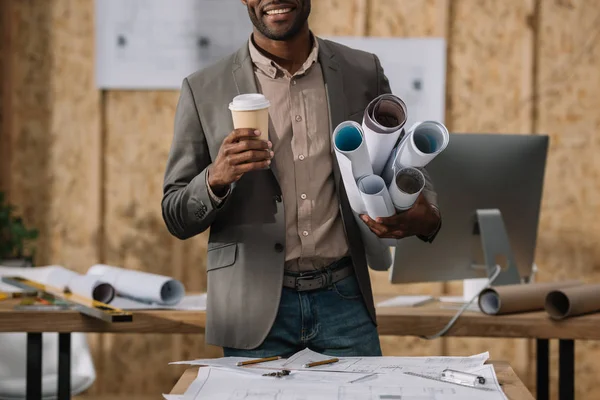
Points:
x=251, y=111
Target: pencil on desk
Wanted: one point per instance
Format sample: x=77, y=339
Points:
x=256, y=361
x=324, y=362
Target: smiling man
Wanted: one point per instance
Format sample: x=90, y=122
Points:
x=286, y=264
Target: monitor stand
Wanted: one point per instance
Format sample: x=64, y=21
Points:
x=496, y=247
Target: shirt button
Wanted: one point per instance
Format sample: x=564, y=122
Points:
x=305, y=233
x=294, y=82
x=303, y=196
x=301, y=157
x=298, y=118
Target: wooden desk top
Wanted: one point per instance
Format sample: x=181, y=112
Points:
x=511, y=384
x=399, y=321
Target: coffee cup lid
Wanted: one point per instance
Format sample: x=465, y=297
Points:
x=249, y=102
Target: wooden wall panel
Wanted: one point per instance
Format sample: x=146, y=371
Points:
x=139, y=130
x=401, y=18
x=54, y=127
x=568, y=102
x=489, y=89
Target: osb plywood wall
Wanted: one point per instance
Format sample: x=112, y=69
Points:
x=86, y=167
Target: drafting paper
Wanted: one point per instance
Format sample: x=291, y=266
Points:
x=376, y=197
x=390, y=383
x=62, y=278
x=423, y=142
x=140, y=286
x=383, y=123
x=405, y=301
x=187, y=303
x=353, y=160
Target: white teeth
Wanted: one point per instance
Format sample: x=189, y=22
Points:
x=280, y=11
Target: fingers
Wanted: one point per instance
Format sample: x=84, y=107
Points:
x=249, y=156
x=241, y=134
x=241, y=169
x=245, y=145
x=384, y=231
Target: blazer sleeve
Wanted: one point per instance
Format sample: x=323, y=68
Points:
x=383, y=87
x=187, y=207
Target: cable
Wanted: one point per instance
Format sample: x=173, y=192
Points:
x=464, y=307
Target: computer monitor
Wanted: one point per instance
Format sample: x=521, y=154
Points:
x=485, y=182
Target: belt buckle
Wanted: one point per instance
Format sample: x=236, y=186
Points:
x=304, y=278
x=325, y=280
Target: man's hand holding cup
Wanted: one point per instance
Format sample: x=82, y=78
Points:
x=242, y=151
x=245, y=149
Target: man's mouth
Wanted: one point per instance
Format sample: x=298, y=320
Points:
x=279, y=11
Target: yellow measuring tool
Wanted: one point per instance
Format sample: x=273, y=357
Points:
x=82, y=304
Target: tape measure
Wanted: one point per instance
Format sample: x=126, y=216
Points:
x=453, y=381
x=82, y=304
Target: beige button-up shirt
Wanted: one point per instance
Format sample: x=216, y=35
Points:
x=301, y=138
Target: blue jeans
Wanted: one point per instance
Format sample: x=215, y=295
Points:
x=332, y=321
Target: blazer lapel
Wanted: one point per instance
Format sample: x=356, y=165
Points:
x=334, y=88
x=245, y=82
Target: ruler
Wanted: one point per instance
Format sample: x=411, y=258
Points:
x=453, y=381
x=82, y=304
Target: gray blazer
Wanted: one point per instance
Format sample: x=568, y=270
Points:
x=245, y=258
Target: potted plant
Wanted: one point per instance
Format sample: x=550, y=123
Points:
x=15, y=237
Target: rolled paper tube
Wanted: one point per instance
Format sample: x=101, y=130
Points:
x=572, y=301
x=141, y=286
x=352, y=158
x=406, y=187
x=424, y=141
x=383, y=123
x=376, y=196
x=507, y=299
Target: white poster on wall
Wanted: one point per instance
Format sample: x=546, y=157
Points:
x=154, y=44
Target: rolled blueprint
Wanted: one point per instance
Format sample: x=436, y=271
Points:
x=376, y=196
x=572, y=301
x=383, y=123
x=406, y=187
x=65, y=280
x=423, y=142
x=87, y=286
x=353, y=159
x=507, y=299
x=377, y=250
x=140, y=286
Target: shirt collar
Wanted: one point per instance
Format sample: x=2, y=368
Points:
x=271, y=68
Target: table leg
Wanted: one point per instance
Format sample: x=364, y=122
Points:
x=34, y=366
x=543, y=369
x=566, y=369
x=64, y=366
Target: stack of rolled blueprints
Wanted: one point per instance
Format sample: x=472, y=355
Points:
x=380, y=162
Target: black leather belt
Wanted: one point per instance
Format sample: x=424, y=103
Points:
x=319, y=279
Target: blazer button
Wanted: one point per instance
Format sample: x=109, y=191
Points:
x=278, y=247
x=277, y=198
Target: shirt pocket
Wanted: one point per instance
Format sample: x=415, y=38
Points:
x=221, y=255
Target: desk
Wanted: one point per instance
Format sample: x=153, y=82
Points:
x=511, y=384
x=397, y=321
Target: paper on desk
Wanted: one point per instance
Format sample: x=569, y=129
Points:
x=369, y=365
x=188, y=303
x=224, y=384
x=62, y=278
x=139, y=285
x=383, y=123
x=405, y=301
